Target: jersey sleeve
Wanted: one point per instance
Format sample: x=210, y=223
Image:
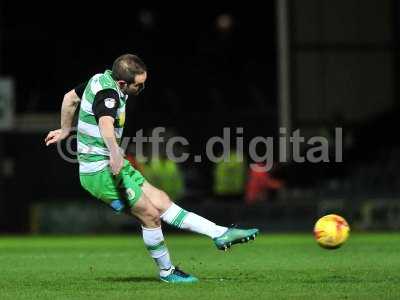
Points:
x=79, y=89
x=106, y=103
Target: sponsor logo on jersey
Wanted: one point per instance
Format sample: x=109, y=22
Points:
x=121, y=119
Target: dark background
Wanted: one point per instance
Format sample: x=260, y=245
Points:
x=344, y=72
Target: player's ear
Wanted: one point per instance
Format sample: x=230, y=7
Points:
x=122, y=83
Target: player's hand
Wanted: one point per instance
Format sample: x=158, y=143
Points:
x=55, y=136
x=116, y=161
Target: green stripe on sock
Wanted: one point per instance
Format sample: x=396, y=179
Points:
x=158, y=246
x=177, y=221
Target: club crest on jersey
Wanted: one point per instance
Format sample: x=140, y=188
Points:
x=130, y=193
x=109, y=102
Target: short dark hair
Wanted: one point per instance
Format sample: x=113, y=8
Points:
x=127, y=66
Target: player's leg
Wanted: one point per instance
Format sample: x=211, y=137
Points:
x=153, y=238
x=178, y=217
x=103, y=185
x=152, y=234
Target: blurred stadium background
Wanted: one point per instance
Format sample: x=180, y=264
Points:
x=311, y=65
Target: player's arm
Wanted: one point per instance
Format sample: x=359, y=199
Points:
x=105, y=106
x=69, y=105
x=106, y=125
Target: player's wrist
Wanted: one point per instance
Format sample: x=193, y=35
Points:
x=115, y=151
x=66, y=130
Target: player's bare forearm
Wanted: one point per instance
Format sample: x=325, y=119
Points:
x=106, y=125
x=68, y=108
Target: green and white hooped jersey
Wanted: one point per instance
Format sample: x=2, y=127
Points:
x=93, y=154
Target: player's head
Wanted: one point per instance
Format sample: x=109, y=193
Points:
x=130, y=73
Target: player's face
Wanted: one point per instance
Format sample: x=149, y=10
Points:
x=136, y=87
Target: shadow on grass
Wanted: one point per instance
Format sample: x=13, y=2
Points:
x=130, y=279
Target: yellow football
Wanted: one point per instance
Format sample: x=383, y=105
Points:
x=331, y=231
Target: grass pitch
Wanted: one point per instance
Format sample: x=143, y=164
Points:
x=272, y=267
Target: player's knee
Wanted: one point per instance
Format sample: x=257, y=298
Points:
x=148, y=215
x=153, y=218
x=164, y=200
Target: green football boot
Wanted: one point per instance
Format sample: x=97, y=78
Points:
x=178, y=276
x=235, y=236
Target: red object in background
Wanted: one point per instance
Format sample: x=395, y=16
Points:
x=134, y=163
x=259, y=183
